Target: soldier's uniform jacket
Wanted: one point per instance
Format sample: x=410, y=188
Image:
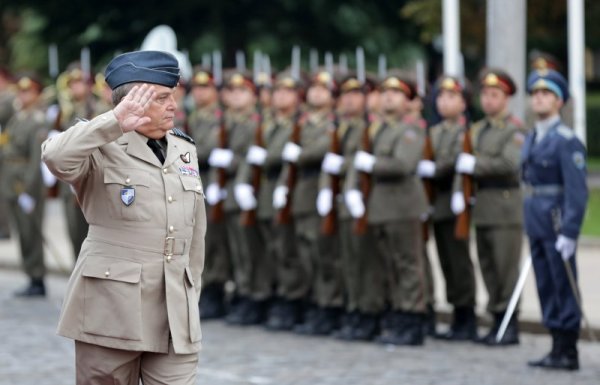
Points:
x=276, y=133
x=349, y=133
x=137, y=279
x=497, y=147
x=21, y=154
x=446, y=138
x=315, y=143
x=6, y=107
x=396, y=191
x=203, y=128
x=555, y=176
x=240, y=128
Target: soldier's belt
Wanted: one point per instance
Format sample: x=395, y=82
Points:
x=139, y=239
x=542, y=190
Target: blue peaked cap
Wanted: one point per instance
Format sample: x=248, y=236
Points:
x=549, y=80
x=154, y=67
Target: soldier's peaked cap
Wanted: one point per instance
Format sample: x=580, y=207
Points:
x=154, y=67
x=549, y=80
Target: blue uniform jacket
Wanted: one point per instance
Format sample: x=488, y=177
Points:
x=554, y=173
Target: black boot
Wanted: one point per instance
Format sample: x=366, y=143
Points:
x=367, y=328
x=36, y=288
x=511, y=335
x=212, y=302
x=349, y=321
x=429, y=324
x=407, y=330
x=464, y=326
x=253, y=313
x=323, y=321
x=563, y=355
x=238, y=310
x=284, y=315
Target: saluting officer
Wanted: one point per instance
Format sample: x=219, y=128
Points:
x=554, y=173
x=451, y=102
x=395, y=223
x=21, y=180
x=203, y=127
x=132, y=301
x=497, y=215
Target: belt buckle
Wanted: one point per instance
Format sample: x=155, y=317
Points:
x=169, y=246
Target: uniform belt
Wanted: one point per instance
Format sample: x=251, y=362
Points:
x=542, y=190
x=140, y=239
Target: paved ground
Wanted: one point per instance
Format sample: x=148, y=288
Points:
x=31, y=354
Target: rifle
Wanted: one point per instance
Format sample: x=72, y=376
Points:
x=328, y=224
x=428, y=154
x=217, y=213
x=284, y=215
x=360, y=225
x=461, y=229
x=248, y=218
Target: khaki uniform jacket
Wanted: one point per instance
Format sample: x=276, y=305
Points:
x=315, y=142
x=497, y=148
x=240, y=130
x=349, y=132
x=396, y=191
x=447, y=138
x=6, y=107
x=21, y=155
x=276, y=134
x=137, y=279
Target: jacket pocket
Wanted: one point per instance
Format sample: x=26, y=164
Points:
x=128, y=191
x=112, y=298
x=192, y=301
x=192, y=197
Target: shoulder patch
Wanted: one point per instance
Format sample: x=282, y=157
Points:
x=180, y=134
x=579, y=160
x=565, y=132
x=409, y=136
x=518, y=138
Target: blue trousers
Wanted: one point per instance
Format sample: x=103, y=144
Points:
x=559, y=306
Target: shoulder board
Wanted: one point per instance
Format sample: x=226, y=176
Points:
x=180, y=134
x=478, y=124
x=565, y=132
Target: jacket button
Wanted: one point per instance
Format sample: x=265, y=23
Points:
x=171, y=229
x=170, y=199
x=198, y=188
x=128, y=180
x=107, y=273
x=165, y=170
x=169, y=258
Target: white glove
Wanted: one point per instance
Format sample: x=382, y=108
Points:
x=291, y=152
x=26, y=202
x=280, y=197
x=52, y=114
x=324, y=201
x=332, y=163
x=565, y=246
x=457, y=203
x=244, y=196
x=220, y=158
x=355, y=204
x=363, y=161
x=48, y=178
x=214, y=194
x=426, y=168
x=465, y=164
x=256, y=155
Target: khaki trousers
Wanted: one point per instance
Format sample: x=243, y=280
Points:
x=98, y=365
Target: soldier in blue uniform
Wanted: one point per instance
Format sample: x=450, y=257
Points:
x=554, y=172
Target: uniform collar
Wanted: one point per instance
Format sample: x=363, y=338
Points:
x=137, y=146
x=542, y=127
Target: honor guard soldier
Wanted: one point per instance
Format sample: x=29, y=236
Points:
x=234, y=138
x=7, y=98
x=362, y=270
x=21, y=184
x=390, y=163
x=132, y=301
x=497, y=214
x=451, y=102
x=556, y=194
x=304, y=153
x=203, y=127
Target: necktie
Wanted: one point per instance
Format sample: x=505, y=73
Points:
x=156, y=149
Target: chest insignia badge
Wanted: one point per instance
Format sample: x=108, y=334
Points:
x=127, y=195
x=185, y=157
